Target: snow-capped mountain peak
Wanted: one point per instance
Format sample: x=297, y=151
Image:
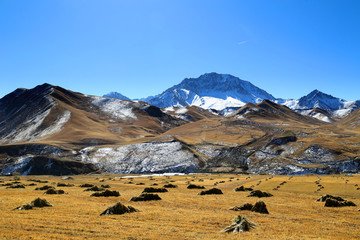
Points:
x=210, y=90
x=116, y=95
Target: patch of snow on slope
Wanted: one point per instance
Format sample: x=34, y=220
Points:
x=20, y=163
x=26, y=133
x=115, y=107
x=182, y=110
x=217, y=103
x=342, y=112
x=142, y=158
x=322, y=117
x=57, y=126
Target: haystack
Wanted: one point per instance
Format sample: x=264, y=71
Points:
x=53, y=191
x=154, y=190
x=211, y=191
x=335, y=203
x=38, y=202
x=242, y=189
x=193, y=186
x=260, y=207
x=16, y=186
x=239, y=224
x=94, y=189
x=46, y=187
x=145, y=197
x=87, y=185
x=246, y=206
x=327, y=196
x=106, y=193
x=260, y=194
x=119, y=209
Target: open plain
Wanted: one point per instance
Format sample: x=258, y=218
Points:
x=294, y=212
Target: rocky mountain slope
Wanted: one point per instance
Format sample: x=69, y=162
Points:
x=51, y=130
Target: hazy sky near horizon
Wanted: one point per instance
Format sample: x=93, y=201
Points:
x=140, y=48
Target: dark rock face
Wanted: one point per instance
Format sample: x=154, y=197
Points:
x=170, y=186
x=53, y=166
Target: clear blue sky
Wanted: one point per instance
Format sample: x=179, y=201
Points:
x=140, y=48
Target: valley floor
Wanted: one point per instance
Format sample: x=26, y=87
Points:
x=294, y=212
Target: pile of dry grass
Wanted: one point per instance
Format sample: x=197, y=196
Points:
x=87, y=185
x=259, y=207
x=333, y=201
x=53, y=191
x=242, y=189
x=119, y=209
x=154, y=190
x=194, y=186
x=106, y=193
x=46, y=187
x=259, y=194
x=239, y=224
x=211, y=191
x=146, y=197
x=94, y=189
x=16, y=186
x=38, y=202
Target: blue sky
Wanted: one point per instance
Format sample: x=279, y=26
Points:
x=140, y=48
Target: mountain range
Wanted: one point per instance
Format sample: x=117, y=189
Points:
x=214, y=123
x=224, y=94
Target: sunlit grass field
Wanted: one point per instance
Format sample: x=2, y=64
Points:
x=182, y=213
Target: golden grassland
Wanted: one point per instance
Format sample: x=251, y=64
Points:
x=182, y=213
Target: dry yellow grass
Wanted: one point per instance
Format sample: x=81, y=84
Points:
x=182, y=214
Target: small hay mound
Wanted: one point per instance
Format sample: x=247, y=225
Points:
x=94, y=189
x=119, y=209
x=246, y=206
x=154, y=190
x=327, y=196
x=38, y=202
x=16, y=186
x=53, y=191
x=260, y=207
x=87, y=185
x=211, y=191
x=145, y=197
x=239, y=224
x=335, y=203
x=259, y=194
x=242, y=189
x=106, y=193
x=64, y=185
x=46, y=187
x=170, y=186
x=193, y=186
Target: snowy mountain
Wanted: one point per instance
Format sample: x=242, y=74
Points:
x=322, y=106
x=210, y=91
x=116, y=95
